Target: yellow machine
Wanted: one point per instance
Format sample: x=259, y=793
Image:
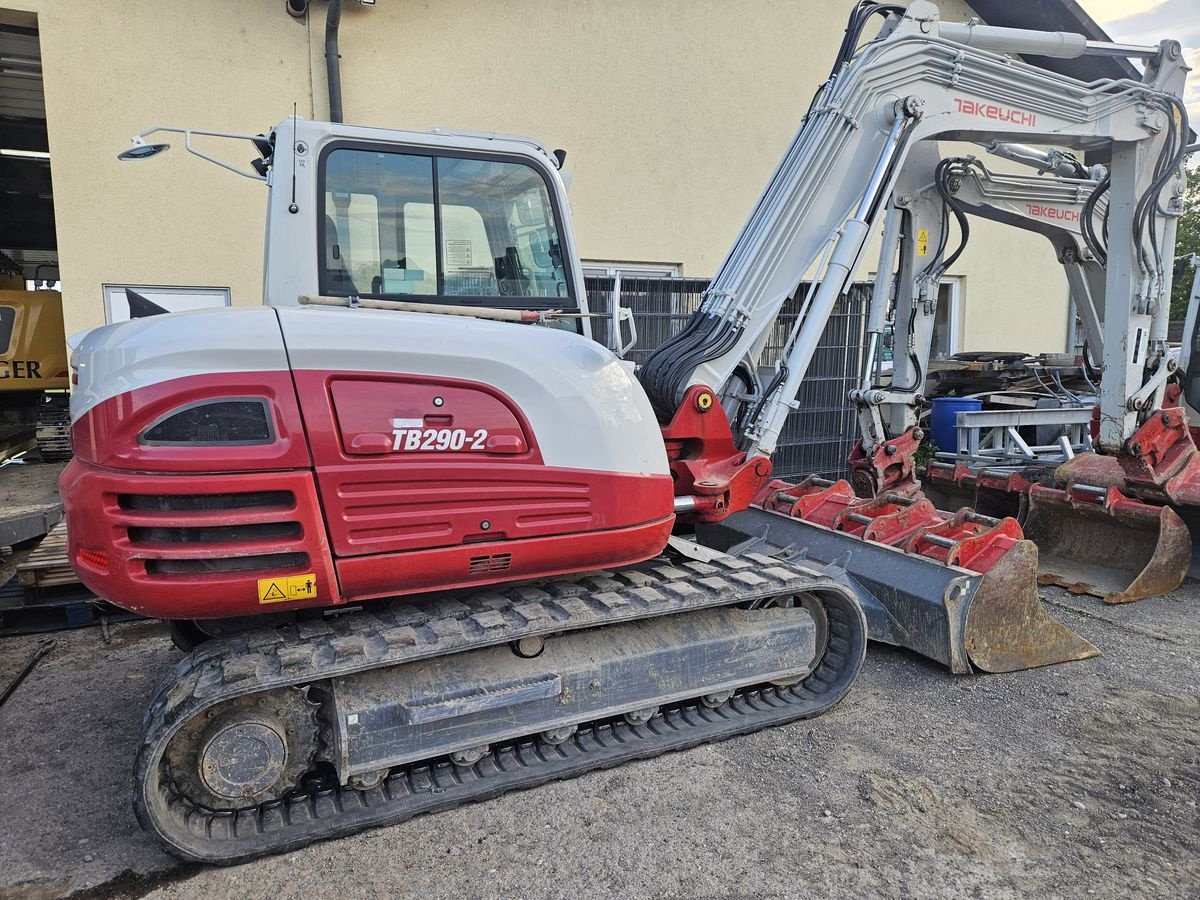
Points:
x=34, y=377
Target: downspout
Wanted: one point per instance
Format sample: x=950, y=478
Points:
x=333, y=18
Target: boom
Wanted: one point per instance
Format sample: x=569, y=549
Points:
x=922, y=79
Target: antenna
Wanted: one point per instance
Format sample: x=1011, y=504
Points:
x=293, y=208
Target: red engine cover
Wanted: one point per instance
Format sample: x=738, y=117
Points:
x=373, y=485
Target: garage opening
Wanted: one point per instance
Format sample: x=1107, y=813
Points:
x=33, y=360
x=27, y=238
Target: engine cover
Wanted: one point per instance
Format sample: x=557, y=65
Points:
x=230, y=462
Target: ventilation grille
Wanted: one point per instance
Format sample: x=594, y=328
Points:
x=214, y=534
x=173, y=535
x=201, y=502
x=496, y=563
x=270, y=562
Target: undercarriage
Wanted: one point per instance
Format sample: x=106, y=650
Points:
x=265, y=741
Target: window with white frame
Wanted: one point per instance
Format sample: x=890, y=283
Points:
x=123, y=302
x=946, y=320
x=616, y=271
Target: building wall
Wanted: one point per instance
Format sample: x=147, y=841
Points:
x=673, y=114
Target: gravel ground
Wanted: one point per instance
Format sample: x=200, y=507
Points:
x=1068, y=781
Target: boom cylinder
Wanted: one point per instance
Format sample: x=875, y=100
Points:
x=1055, y=44
x=853, y=237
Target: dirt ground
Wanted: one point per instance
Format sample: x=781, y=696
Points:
x=1069, y=781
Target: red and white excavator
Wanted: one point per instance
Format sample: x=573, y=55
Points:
x=1090, y=537
x=431, y=542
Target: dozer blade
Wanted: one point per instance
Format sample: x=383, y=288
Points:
x=960, y=589
x=1095, y=540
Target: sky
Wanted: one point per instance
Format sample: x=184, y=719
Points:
x=1148, y=22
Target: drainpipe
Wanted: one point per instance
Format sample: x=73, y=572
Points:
x=333, y=18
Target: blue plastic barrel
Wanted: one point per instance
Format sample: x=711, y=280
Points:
x=943, y=420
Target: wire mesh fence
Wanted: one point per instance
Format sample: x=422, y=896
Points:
x=818, y=436
x=661, y=307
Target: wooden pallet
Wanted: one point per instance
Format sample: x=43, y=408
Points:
x=47, y=567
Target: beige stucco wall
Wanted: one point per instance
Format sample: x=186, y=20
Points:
x=673, y=114
x=113, y=69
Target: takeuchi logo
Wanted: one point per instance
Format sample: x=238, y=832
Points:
x=1052, y=212
x=994, y=112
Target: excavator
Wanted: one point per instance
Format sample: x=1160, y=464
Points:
x=33, y=371
x=1090, y=538
x=428, y=542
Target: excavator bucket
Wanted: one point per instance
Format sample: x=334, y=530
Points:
x=1095, y=540
x=1091, y=537
x=958, y=588
x=1000, y=493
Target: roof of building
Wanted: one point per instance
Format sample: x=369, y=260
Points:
x=1057, y=15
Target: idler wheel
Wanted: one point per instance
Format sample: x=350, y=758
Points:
x=245, y=751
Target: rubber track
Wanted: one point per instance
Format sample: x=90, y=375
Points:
x=406, y=630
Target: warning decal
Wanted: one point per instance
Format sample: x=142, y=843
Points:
x=273, y=593
x=292, y=587
x=922, y=241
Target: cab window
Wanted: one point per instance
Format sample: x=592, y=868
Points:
x=8, y=317
x=406, y=226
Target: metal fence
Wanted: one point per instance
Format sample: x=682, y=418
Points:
x=818, y=436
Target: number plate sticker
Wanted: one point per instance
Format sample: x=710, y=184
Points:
x=289, y=587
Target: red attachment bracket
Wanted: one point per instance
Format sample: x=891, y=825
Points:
x=1160, y=460
x=889, y=468
x=706, y=463
x=909, y=523
x=1171, y=397
x=962, y=477
x=952, y=478
x=1109, y=498
x=887, y=520
x=993, y=492
x=814, y=499
x=1003, y=482
x=967, y=539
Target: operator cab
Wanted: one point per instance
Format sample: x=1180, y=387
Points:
x=446, y=218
